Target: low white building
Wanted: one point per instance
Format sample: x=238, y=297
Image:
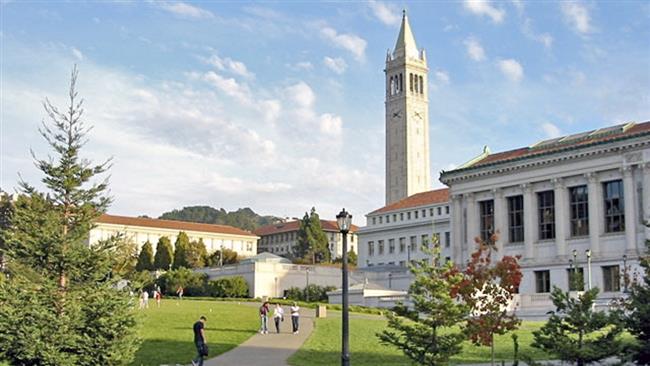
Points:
x=281, y=238
x=140, y=230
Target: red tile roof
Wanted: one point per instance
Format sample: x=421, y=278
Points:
x=585, y=139
x=416, y=200
x=171, y=224
x=284, y=227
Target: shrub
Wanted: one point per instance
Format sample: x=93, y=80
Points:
x=194, y=284
x=313, y=293
x=228, y=287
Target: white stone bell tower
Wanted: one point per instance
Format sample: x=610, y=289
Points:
x=407, y=118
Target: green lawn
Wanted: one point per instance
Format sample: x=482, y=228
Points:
x=167, y=331
x=323, y=346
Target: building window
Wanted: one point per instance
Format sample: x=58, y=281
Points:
x=381, y=247
x=408, y=215
x=387, y=219
x=579, y=206
x=542, y=281
x=381, y=219
x=416, y=214
x=394, y=217
x=576, y=277
x=391, y=246
x=447, y=210
x=374, y=220
x=614, y=206
x=421, y=85
x=546, y=207
x=401, y=216
x=611, y=278
x=411, y=81
x=439, y=211
x=516, y=219
x=424, y=213
x=402, y=263
x=371, y=249
x=414, y=243
x=431, y=212
x=447, y=239
x=486, y=212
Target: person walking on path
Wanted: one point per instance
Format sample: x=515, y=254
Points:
x=264, y=317
x=199, y=341
x=278, y=316
x=295, y=317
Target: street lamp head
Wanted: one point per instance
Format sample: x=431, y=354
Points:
x=588, y=253
x=624, y=257
x=344, y=221
x=575, y=253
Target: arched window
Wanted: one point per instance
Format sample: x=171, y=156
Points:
x=416, y=83
x=390, y=84
x=411, y=81
x=401, y=86
x=421, y=85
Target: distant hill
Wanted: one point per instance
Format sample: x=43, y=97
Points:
x=243, y=218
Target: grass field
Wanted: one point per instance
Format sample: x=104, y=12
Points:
x=323, y=346
x=167, y=331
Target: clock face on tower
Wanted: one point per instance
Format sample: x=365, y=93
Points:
x=395, y=113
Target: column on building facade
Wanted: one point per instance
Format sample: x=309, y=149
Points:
x=594, y=212
x=645, y=189
x=472, y=224
x=529, y=223
x=500, y=218
x=561, y=216
x=629, y=193
x=456, y=222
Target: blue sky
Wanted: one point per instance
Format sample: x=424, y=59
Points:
x=279, y=105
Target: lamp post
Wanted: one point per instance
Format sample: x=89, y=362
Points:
x=588, y=253
x=625, y=273
x=344, y=220
x=307, y=284
x=390, y=280
x=575, y=271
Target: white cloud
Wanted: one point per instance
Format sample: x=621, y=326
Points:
x=519, y=5
x=577, y=15
x=474, y=49
x=330, y=124
x=511, y=69
x=228, y=64
x=386, y=13
x=336, y=64
x=484, y=7
x=304, y=65
x=77, y=54
x=186, y=10
x=551, y=130
x=301, y=94
x=442, y=77
x=543, y=38
x=229, y=86
x=347, y=41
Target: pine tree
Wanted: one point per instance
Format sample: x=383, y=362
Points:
x=59, y=304
x=301, y=248
x=426, y=335
x=6, y=211
x=181, y=247
x=164, y=254
x=196, y=254
x=575, y=332
x=638, y=318
x=312, y=244
x=145, y=259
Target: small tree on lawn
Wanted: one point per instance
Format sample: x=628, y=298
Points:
x=489, y=289
x=145, y=259
x=164, y=254
x=180, y=251
x=575, y=332
x=426, y=335
x=196, y=254
x=637, y=320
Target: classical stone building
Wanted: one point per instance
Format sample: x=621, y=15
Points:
x=141, y=230
x=281, y=238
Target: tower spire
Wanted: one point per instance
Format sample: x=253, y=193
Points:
x=405, y=45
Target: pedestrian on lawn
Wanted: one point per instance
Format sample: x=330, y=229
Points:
x=157, y=296
x=278, y=316
x=179, y=292
x=264, y=317
x=295, y=316
x=200, y=341
x=145, y=299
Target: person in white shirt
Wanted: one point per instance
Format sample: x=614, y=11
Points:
x=278, y=316
x=295, y=316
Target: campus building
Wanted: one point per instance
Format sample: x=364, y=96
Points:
x=140, y=230
x=281, y=238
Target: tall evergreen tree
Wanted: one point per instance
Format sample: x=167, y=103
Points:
x=312, y=244
x=301, y=248
x=196, y=254
x=181, y=247
x=164, y=254
x=145, y=259
x=60, y=304
x=6, y=211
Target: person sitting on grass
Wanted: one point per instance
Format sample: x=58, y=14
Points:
x=200, y=341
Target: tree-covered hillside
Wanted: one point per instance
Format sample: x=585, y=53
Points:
x=243, y=218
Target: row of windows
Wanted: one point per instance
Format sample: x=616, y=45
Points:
x=403, y=246
x=409, y=215
x=396, y=84
x=400, y=263
x=290, y=236
x=576, y=279
x=614, y=213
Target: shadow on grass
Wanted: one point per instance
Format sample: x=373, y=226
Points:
x=229, y=330
x=155, y=352
x=365, y=358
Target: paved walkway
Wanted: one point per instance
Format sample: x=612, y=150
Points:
x=269, y=349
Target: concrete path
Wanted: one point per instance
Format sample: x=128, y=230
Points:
x=269, y=349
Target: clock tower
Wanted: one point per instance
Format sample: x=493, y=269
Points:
x=407, y=118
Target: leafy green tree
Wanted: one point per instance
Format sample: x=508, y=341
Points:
x=228, y=287
x=227, y=257
x=125, y=256
x=164, y=254
x=575, y=332
x=243, y=218
x=59, y=304
x=426, y=335
x=194, y=284
x=145, y=259
x=196, y=254
x=637, y=320
x=181, y=246
x=352, y=258
x=312, y=244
